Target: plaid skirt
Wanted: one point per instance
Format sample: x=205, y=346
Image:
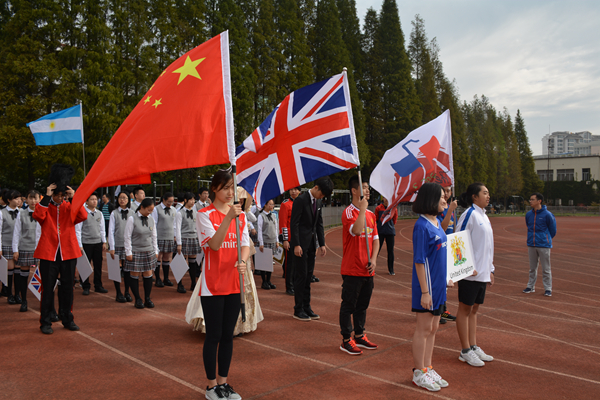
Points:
x=166, y=246
x=190, y=246
x=7, y=252
x=120, y=253
x=26, y=259
x=270, y=245
x=142, y=261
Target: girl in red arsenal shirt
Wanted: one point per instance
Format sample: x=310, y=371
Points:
x=220, y=284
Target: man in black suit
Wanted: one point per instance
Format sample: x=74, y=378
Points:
x=306, y=229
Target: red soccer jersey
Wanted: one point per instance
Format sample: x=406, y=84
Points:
x=355, y=258
x=219, y=276
x=285, y=217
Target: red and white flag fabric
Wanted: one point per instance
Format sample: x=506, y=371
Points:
x=310, y=134
x=425, y=155
x=184, y=121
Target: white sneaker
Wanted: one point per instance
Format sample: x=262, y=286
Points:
x=471, y=358
x=421, y=379
x=436, y=378
x=482, y=356
x=215, y=393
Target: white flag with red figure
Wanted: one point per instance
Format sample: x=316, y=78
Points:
x=425, y=155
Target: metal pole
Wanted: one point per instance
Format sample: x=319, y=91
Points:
x=239, y=250
x=199, y=184
x=154, y=195
x=365, y=228
x=172, y=187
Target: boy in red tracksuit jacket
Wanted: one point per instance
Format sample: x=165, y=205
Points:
x=58, y=251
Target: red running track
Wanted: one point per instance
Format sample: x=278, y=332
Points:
x=544, y=347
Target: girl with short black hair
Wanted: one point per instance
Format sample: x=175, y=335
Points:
x=116, y=241
x=8, y=216
x=428, y=282
x=141, y=251
x=187, y=236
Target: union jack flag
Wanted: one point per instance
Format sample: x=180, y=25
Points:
x=310, y=134
x=35, y=284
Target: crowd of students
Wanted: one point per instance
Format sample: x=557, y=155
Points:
x=144, y=236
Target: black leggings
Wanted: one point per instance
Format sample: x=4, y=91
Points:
x=389, y=242
x=220, y=315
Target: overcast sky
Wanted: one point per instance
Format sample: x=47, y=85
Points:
x=542, y=57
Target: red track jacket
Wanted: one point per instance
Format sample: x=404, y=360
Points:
x=50, y=218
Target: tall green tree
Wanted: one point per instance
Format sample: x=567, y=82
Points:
x=513, y=182
x=400, y=101
x=423, y=70
x=531, y=182
x=330, y=56
x=295, y=68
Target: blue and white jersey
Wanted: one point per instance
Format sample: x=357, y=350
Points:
x=442, y=216
x=478, y=224
x=429, y=249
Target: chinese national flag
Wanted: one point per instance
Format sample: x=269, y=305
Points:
x=185, y=120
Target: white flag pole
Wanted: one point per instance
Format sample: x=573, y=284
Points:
x=360, y=188
x=82, y=136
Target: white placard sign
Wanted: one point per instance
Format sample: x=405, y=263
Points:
x=114, y=268
x=264, y=260
x=4, y=270
x=278, y=255
x=84, y=267
x=179, y=266
x=460, y=256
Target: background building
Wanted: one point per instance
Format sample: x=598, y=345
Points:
x=568, y=167
x=565, y=142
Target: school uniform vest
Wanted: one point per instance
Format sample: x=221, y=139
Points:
x=165, y=223
x=188, y=225
x=120, y=224
x=28, y=228
x=90, y=228
x=141, y=236
x=8, y=226
x=269, y=228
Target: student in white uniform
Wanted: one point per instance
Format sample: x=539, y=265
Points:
x=91, y=236
x=138, y=195
x=164, y=216
x=8, y=216
x=268, y=228
x=116, y=241
x=25, y=239
x=471, y=290
x=141, y=251
x=187, y=236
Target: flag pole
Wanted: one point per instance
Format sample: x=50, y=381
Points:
x=360, y=188
x=239, y=250
x=365, y=227
x=82, y=136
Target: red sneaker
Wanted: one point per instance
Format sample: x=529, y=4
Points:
x=350, y=348
x=364, y=342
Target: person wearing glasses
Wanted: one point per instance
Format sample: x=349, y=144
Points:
x=541, y=228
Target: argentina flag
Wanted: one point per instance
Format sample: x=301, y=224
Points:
x=64, y=126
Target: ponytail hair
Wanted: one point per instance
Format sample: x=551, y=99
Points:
x=147, y=202
x=466, y=199
x=187, y=196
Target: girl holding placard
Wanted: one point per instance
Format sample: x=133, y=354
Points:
x=428, y=282
x=116, y=241
x=267, y=237
x=471, y=290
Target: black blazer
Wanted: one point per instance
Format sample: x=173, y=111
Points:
x=304, y=225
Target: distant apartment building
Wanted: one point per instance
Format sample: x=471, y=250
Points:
x=577, y=143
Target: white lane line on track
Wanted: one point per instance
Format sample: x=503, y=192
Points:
x=537, y=336
x=137, y=361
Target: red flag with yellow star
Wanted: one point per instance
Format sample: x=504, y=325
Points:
x=185, y=120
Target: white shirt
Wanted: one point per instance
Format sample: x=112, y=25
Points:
x=478, y=224
x=101, y=223
x=111, y=228
x=260, y=225
x=129, y=231
x=1, y=221
x=17, y=232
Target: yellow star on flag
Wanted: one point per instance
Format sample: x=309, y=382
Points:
x=147, y=100
x=157, y=103
x=189, y=68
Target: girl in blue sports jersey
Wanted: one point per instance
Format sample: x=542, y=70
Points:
x=428, y=282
